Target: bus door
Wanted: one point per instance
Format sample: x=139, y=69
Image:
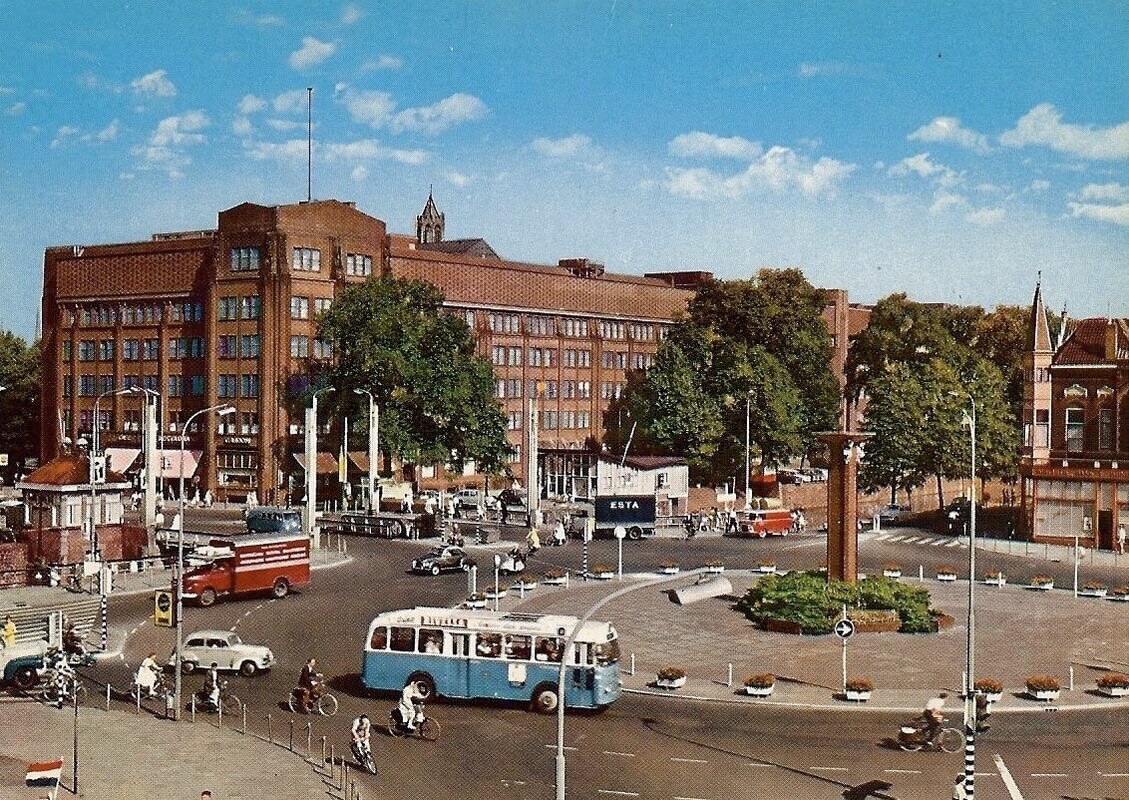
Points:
x=488, y=671
x=583, y=675
x=460, y=649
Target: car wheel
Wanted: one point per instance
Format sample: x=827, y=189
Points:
x=280, y=589
x=207, y=597
x=187, y=667
x=635, y=532
x=25, y=678
x=434, y=569
x=248, y=668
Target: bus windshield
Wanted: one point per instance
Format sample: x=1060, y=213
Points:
x=607, y=653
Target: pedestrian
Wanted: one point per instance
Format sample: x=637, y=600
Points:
x=1121, y=538
x=9, y=632
x=959, y=792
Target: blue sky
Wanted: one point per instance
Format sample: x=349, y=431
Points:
x=949, y=150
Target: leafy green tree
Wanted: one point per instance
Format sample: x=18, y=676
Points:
x=895, y=415
x=19, y=402
x=436, y=396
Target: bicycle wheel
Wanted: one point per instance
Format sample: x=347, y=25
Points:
x=429, y=730
x=327, y=705
x=951, y=740
x=394, y=728
x=294, y=704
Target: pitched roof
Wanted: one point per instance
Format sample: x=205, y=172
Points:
x=1042, y=332
x=646, y=462
x=478, y=248
x=1087, y=343
x=69, y=470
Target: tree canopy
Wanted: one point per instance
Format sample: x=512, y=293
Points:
x=19, y=402
x=436, y=396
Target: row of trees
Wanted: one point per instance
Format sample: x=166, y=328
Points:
x=19, y=402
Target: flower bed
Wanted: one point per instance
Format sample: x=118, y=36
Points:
x=991, y=688
x=714, y=567
x=670, y=677
x=498, y=594
x=1042, y=582
x=891, y=570
x=859, y=689
x=1119, y=594
x=766, y=567
x=476, y=601
x=1043, y=687
x=946, y=574
x=555, y=577
x=1092, y=589
x=668, y=568
x=525, y=585
x=994, y=577
x=1114, y=684
x=603, y=572
x=760, y=685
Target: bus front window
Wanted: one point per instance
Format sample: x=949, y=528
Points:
x=607, y=653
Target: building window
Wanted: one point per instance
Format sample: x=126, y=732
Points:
x=153, y=383
x=541, y=326
x=322, y=304
x=106, y=350
x=105, y=384
x=250, y=307
x=66, y=350
x=249, y=386
x=356, y=264
x=228, y=386
x=249, y=423
x=299, y=346
x=500, y=389
x=513, y=420
x=568, y=420
x=574, y=327
x=249, y=346
x=469, y=317
x=323, y=350
x=86, y=350
x=131, y=349
x=299, y=308
x=1105, y=429
x=129, y=381
x=86, y=385
x=583, y=420
x=132, y=421
x=1075, y=429
x=551, y=389
x=197, y=385
x=176, y=385
x=549, y=420
x=226, y=346
x=244, y=259
x=498, y=356
x=228, y=308
x=150, y=349
x=306, y=259
x=513, y=387
x=534, y=357
x=514, y=359
x=68, y=385
x=583, y=389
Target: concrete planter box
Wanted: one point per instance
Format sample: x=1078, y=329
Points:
x=1099, y=593
x=857, y=696
x=603, y=576
x=946, y=577
x=1045, y=695
x=1042, y=587
x=1000, y=581
x=1119, y=598
x=714, y=569
x=768, y=569
x=671, y=683
x=668, y=570
x=759, y=691
x=1114, y=691
x=498, y=595
x=476, y=603
x=526, y=586
x=891, y=573
x=555, y=581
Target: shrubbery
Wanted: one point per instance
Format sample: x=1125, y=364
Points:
x=807, y=598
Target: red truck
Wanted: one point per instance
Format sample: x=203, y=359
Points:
x=250, y=563
x=762, y=523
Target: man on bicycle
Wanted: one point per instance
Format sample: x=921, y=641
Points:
x=362, y=729
x=933, y=715
x=309, y=683
x=411, y=706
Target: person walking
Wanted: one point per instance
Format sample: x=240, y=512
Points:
x=9, y=632
x=1121, y=538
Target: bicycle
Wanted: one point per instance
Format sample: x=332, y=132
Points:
x=913, y=736
x=322, y=702
x=426, y=728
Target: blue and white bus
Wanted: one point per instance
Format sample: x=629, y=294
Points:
x=492, y=655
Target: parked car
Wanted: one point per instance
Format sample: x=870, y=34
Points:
x=814, y=474
x=226, y=650
x=22, y=663
x=442, y=559
x=789, y=476
x=893, y=513
x=471, y=500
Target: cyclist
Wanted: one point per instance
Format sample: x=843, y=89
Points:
x=411, y=706
x=309, y=683
x=362, y=747
x=147, y=674
x=933, y=716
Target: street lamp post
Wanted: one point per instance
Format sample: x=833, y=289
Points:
x=312, y=463
x=748, y=399
x=373, y=449
x=970, y=643
x=221, y=410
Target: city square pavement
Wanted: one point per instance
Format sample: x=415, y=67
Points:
x=1019, y=632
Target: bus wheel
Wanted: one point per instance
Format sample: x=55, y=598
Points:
x=425, y=683
x=280, y=589
x=207, y=597
x=545, y=699
x=635, y=532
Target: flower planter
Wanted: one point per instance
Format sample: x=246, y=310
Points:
x=555, y=580
x=759, y=691
x=714, y=569
x=993, y=697
x=1046, y=695
x=1119, y=598
x=1099, y=593
x=1042, y=587
x=603, y=576
x=1114, y=691
x=498, y=595
x=526, y=586
x=768, y=569
x=476, y=602
x=998, y=581
x=857, y=696
x=668, y=570
x=671, y=683
x=891, y=573
x=946, y=577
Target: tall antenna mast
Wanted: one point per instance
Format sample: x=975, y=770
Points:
x=309, y=143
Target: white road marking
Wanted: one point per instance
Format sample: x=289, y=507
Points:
x=1113, y=774
x=910, y=539
x=554, y=747
x=760, y=764
x=1049, y=775
x=617, y=793
x=689, y=760
x=903, y=771
x=1009, y=782
x=615, y=753
x=896, y=538
x=680, y=797
x=829, y=769
x=953, y=544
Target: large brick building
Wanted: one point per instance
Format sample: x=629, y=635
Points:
x=1075, y=458
x=229, y=316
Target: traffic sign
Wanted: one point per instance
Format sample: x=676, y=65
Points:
x=844, y=629
x=164, y=614
x=619, y=532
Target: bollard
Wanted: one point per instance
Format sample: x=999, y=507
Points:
x=632, y=663
x=219, y=712
x=729, y=676
x=921, y=572
x=192, y=705
x=270, y=731
x=107, y=697
x=137, y=697
x=244, y=719
x=352, y=790
x=290, y=739
x=344, y=774
x=1072, y=678
x=323, y=750
x=332, y=762
x=309, y=738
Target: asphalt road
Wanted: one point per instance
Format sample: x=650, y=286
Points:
x=641, y=746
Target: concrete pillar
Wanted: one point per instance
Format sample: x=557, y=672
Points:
x=842, y=504
x=149, y=448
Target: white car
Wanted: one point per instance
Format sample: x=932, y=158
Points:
x=893, y=513
x=226, y=650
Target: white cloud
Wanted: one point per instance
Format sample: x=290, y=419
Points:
x=109, y=133
x=780, y=169
x=565, y=147
x=457, y=179
x=943, y=201
x=697, y=143
x=167, y=145
x=359, y=173
x=809, y=70
x=155, y=83
x=64, y=133
x=1118, y=215
x=948, y=129
x=919, y=164
x=241, y=126
x=453, y=110
x=986, y=217
x=372, y=150
x=17, y=108
x=385, y=62
x=291, y=101
x=250, y=104
x=1039, y=185
x=270, y=21
x=7, y=90
x=283, y=124
x=292, y=151
x=1111, y=192
x=350, y=14
x=1043, y=125
x=370, y=107
x=311, y=53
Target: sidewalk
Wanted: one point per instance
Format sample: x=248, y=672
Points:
x=1019, y=633
x=129, y=757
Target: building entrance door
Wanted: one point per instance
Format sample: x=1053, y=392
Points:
x=1105, y=530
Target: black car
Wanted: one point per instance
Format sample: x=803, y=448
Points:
x=441, y=559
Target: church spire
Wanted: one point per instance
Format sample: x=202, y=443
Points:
x=1041, y=340
x=430, y=223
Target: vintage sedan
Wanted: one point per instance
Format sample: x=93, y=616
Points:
x=442, y=559
x=226, y=650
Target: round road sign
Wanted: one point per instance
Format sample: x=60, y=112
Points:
x=844, y=629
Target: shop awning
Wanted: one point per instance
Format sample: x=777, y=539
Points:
x=122, y=458
x=327, y=463
x=169, y=461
